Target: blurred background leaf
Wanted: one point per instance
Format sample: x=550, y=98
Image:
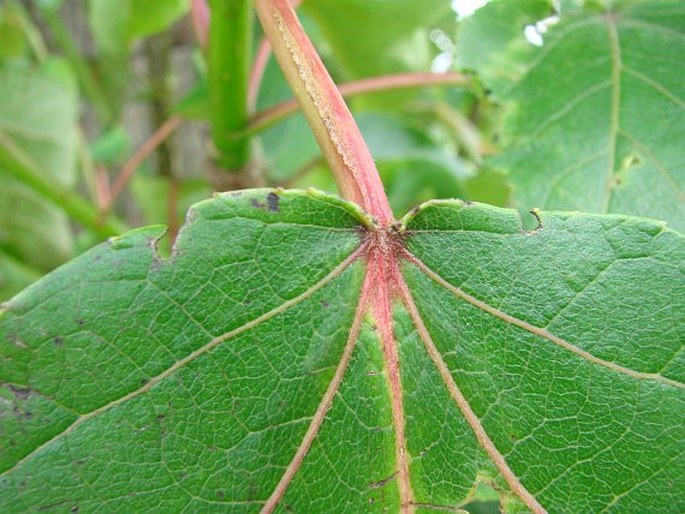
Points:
x=38, y=115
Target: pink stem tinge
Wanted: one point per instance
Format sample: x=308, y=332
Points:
x=199, y=10
x=135, y=161
x=273, y=114
x=331, y=121
x=257, y=73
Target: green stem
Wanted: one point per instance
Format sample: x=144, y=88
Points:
x=157, y=50
x=33, y=35
x=24, y=169
x=230, y=47
x=81, y=68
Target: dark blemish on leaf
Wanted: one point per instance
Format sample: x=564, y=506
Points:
x=27, y=415
x=325, y=305
x=381, y=483
x=98, y=257
x=20, y=393
x=487, y=92
x=160, y=418
x=80, y=462
x=75, y=508
x=221, y=494
x=467, y=203
x=257, y=204
x=272, y=202
x=536, y=214
x=58, y=341
x=247, y=303
x=80, y=322
x=143, y=381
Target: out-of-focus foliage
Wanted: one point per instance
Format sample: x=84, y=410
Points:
x=127, y=66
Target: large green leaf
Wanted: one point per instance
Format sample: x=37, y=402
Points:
x=260, y=363
x=596, y=117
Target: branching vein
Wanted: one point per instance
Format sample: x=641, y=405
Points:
x=336, y=272
x=459, y=293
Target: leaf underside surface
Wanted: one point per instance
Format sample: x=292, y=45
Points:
x=596, y=115
x=247, y=371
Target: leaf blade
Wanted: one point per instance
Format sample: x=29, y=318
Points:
x=558, y=395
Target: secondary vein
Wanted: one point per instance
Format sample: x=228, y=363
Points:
x=336, y=272
x=614, y=120
x=459, y=293
x=481, y=435
x=321, y=410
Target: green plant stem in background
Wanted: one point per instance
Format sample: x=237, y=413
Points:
x=83, y=73
x=33, y=35
x=230, y=47
x=22, y=167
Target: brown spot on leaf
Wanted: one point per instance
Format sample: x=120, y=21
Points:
x=381, y=483
x=272, y=202
x=19, y=392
